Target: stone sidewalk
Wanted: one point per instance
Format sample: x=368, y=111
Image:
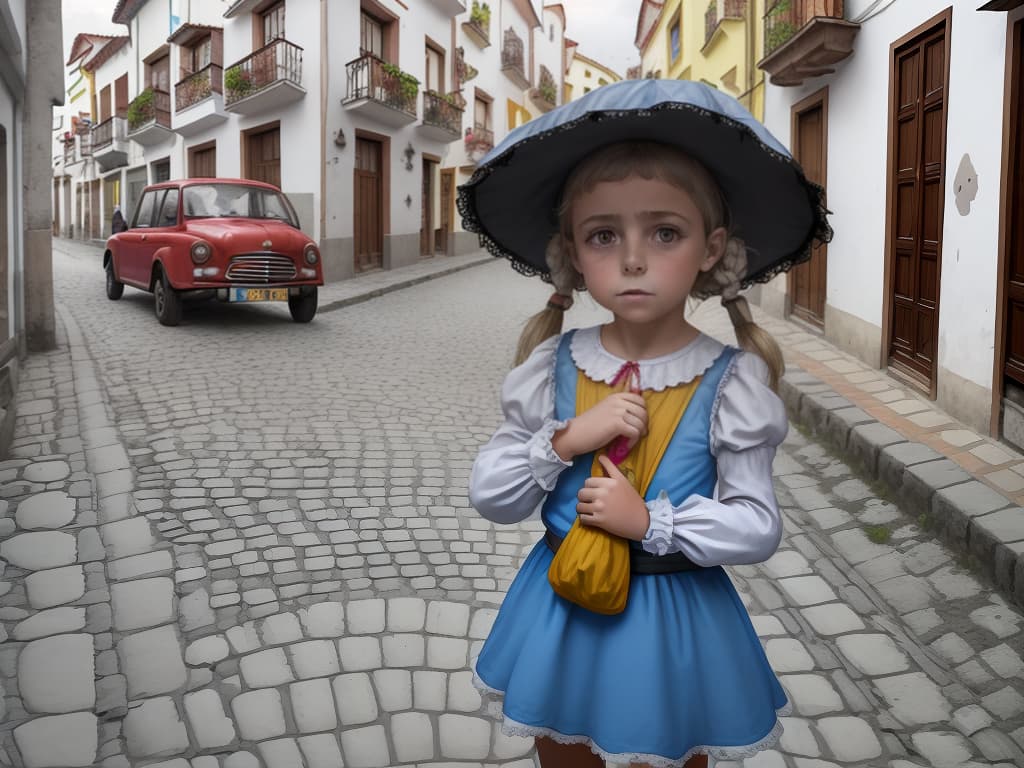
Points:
x=963, y=486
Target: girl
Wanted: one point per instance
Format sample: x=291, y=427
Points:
x=651, y=181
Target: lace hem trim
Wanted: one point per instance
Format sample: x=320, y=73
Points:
x=511, y=727
x=659, y=373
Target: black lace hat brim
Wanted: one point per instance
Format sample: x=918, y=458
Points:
x=512, y=198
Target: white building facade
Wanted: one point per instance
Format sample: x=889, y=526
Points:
x=922, y=275
x=367, y=113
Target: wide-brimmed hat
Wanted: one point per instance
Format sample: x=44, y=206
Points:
x=512, y=198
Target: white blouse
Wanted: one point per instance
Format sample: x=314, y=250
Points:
x=515, y=470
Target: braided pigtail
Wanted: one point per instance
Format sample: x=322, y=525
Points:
x=725, y=279
x=548, y=322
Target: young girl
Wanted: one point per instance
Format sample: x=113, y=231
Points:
x=643, y=427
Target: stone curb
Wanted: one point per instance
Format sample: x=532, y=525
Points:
x=965, y=513
x=348, y=301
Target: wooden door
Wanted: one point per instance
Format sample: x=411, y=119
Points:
x=203, y=163
x=264, y=150
x=447, y=208
x=807, y=281
x=427, y=214
x=369, y=206
x=918, y=115
x=1013, y=319
x=95, y=215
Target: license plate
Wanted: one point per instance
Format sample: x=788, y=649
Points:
x=259, y=294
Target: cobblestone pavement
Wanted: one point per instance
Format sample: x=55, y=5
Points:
x=244, y=542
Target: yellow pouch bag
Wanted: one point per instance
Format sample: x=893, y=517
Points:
x=591, y=566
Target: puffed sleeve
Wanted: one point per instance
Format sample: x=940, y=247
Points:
x=517, y=467
x=741, y=524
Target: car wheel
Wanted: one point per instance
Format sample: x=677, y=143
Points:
x=303, y=306
x=115, y=288
x=166, y=301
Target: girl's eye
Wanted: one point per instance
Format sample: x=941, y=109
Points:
x=666, y=235
x=602, y=237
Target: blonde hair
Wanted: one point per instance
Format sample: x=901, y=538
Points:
x=650, y=160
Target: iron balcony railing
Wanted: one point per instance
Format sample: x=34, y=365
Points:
x=275, y=62
x=787, y=17
x=150, y=106
x=198, y=86
x=372, y=78
x=730, y=9
x=442, y=111
x=512, y=52
x=104, y=133
x=480, y=139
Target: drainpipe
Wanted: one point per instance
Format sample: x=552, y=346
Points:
x=323, y=122
x=751, y=51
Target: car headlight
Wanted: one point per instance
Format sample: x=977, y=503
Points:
x=201, y=252
x=311, y=254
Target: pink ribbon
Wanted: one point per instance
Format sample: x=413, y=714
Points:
x=629, y=372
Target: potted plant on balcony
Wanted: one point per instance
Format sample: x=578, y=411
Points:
x=401, y=86
x=779, y=29
x=481, y=16
x=141, y=109
x=238, y=82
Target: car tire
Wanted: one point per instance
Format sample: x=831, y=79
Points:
x=303, y=306
x=115, y=288
x=166, y=301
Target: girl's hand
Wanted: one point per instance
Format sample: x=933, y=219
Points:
x=613, y=504
x=622, y=413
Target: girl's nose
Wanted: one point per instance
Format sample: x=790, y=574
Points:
x=634, y=263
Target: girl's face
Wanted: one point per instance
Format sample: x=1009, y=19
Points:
x=640, y=244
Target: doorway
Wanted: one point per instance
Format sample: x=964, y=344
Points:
x=447, y=209
x=427, y=245
x=369, y=205
x=919, y=78
x=807, y=281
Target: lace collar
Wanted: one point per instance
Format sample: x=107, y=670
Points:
x=657, y=373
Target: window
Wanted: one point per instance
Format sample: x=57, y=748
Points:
x=482, y=113
x=434, y=69
x=586, y=73
x=158, y=73
x=371, y=36
x=602, y=81
x=169, y=210
x=675, y=34
x=200, y=54
x=273, y=23
x=144, y=213
x=586, y=89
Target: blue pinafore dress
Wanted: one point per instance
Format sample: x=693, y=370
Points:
x=679, y=672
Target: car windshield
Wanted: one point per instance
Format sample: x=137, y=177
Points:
x=215, y=200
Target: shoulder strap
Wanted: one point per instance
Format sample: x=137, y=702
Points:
x=564, y=378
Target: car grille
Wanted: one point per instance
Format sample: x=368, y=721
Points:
x=261, y=268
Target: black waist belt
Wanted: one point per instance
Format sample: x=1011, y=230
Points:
x=640, y=561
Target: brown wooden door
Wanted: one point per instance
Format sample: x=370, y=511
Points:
x=427, y=214
x=265, y=156
x=203, y=163
x=807, y=281
x=1013, y=365
x=919, y=145
x=96, y=216
x=447, y=208
x=369, y=206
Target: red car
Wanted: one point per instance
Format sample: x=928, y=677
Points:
x=229, y=239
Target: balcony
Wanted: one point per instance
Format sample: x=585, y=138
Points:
x=381, y=91
x=512, y=59
x=199, y=101
x=719, y=11
x=69, y=152
x=478, y=28
x=149, y=117
x=110, y=143
x=479, y=141
x=545, y=95
x=442, y=116
x=265, y=80
x=804, y=39
x=450, y=7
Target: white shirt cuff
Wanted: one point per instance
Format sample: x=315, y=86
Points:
x=545, y=464
x=659, y=538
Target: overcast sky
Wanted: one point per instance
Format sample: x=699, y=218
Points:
x=603, y=28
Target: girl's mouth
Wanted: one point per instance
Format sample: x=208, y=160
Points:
x=634, y=292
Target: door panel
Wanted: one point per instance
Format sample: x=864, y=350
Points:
x=807, y=281
x=919, y=135
x=369, y=220
x=1014, y=357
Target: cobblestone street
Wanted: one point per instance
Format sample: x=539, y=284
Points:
x=246, y=542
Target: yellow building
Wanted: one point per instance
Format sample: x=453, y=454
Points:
x=716, y=42
x=585, y=74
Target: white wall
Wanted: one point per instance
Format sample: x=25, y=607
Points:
x=858, y=115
